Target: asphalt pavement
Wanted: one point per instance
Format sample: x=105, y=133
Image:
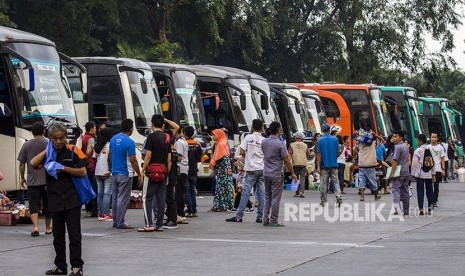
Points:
x=368, y=242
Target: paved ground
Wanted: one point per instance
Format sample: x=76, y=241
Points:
x=210, y=246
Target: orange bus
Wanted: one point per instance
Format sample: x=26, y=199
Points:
x=350, y=106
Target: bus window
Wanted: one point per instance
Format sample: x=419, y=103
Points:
x=331, y=109
x=107, y=101
x=361, y=117
x=7, y=126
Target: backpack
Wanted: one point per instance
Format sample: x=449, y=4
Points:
x=194, y=153
x=428, y=161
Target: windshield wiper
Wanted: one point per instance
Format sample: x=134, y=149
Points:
x=54, y=118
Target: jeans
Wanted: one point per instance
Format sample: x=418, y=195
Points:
x=340, y=175
x=421, y=184
x=329, y=175
x=367, y=178
x=104, y=193
x=250, y=180
x=189, y=194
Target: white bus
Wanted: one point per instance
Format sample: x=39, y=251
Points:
x=119, y=88
x=33, y=88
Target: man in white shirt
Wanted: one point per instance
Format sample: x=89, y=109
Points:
x=423, y=177
x=438, y=153
x=251, y=151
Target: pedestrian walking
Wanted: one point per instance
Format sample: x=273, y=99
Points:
x=439, y=155
x=400, y=184
x=326, y=161
x=367, y=166
x=61, y=162
x=275, y=156
x=422, y=167
x=36, y=179
x=341, y=162
x=252, y=154
x=221, y=163
x=122, y=149
x=452, y=156
x=298, y=154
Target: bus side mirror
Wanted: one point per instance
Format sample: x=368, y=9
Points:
x=420, y=108
x=84, y=82
x=242, y=100
x=217, y=103
x=297, y=106
x=27, y=79
x=143, y=84
x=264, y=103
x=431, y=109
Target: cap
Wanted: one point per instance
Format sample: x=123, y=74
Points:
x=298, y=135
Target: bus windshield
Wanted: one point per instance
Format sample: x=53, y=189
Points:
x=51, y=98
x=145, y=104
x=381, y=112
x=316, y=112
x=244, y=117
x=301, y=119
x=190, y=106
x=270, y=115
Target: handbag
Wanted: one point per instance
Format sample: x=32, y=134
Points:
x=157, y=172
x=83, y=186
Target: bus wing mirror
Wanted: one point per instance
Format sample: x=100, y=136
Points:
x=83, y=76
x=264, y=103
x=420, y=108
x=431, y=109
x=143, y=84
x=27, y=81
x=297, y=107
x=243, y=100
x=217, y=103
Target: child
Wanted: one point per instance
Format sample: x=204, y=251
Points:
x=237, y=199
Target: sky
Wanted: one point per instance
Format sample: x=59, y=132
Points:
x=458, y=53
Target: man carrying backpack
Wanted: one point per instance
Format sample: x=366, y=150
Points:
x=422, y=170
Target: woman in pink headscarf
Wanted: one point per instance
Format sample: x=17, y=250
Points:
x=220, y=161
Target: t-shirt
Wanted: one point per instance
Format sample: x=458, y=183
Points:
x=328, y=148
x=298, y=152
x=182, y=148
x=159, y=146
x=417, y=163
x=380, y=151
x=29, y=150
x=195, y=156
x=61, y=192
x=437, y=152
x=122, y=147
x=341, y=159
x=252, y=145
x=401, y=155
x=274, y=151
x=101, y=167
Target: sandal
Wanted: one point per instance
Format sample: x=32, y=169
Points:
x=146, y=229
x=35, y=233
x=387, y=193
x=49, y=232
x=362, y=199
x=127, y=226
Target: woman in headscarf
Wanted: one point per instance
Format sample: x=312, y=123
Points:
x=220, y=161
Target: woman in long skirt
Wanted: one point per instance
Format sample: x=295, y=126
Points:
x=224, y=199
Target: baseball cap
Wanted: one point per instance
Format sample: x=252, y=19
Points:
x=325, y=128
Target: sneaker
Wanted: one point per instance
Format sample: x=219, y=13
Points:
x=192, y=215
x=234, y=219
x=108, y=217
x=276, y=225
x=170, y=225
x=56, y=271
x=435, y=205
x=101, y=217
x=158, y=229
x=250, y=210
x=259, y=220
x=75, y=271
x=430, y=211
x=422, y=213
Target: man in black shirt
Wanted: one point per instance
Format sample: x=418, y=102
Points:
x=158, y=151
x=63, y=200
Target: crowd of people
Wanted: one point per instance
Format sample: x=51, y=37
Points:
x=168, y=175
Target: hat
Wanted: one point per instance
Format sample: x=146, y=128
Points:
x=325, y=128
x=298, y=135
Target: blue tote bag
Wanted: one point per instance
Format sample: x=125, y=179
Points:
x=83, y=186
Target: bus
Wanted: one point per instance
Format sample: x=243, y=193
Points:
x=292, y=111
x=406, y=112
x=182, y=103
x=350, y=106
x=33, y=88
x=227, y=100
x=261, y=92
x=119, y=88
x=316, y=112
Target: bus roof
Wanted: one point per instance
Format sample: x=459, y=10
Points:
x=308, y=92
x=397, y=88
x=327, y=86
x=248, y=74
x=214, y=72
x=169, y=66
x=283, y=85
x=10, y=35
x=113, y=60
